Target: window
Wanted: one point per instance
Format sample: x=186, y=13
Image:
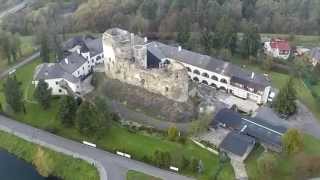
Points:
x=205, y=75
x=167, y=89
x=56, y=82
x=214, y=78
x=83, y=67
x=223, y=81
x=60, y=90
x=189, y=70
x=196, y=72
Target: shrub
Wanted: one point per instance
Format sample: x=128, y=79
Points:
x=173, y=133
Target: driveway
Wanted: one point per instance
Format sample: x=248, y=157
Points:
x=110, y=166
x=303, y=120
x=20, y=64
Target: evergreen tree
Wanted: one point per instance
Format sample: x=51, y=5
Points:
x=149, y=9
x=285, y=103
x=87, y=119
x=67, y=111
x=43, y=94
x=251, y=41
x=44, y=48
x=104, y=113
x=226, y=34
x=13, y=94
x=207, y=40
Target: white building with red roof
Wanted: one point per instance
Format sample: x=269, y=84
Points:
x=278, y=48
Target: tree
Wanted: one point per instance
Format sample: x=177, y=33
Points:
x=149, y=9
x=13, y=94
x=251, y=41
x=87, y=119
x=285, y=103
x=267, y=63
x=206, y=40
x=42, y=94
x=104, y=114
x=43, y=162
x=173, y=133
x=44, y=48
x=226, y=34
x=67, y=111
x=266, y=164
x=194, y=165
x=184, y=163
x=292, y=142
x=162, y=159
x=248, y=8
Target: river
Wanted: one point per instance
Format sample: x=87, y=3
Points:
x=13, y=168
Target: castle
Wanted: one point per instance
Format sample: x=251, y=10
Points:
x=128, y=59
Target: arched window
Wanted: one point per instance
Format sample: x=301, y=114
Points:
x=223, y=89
x=196, y=79
x=223, y=81
x=205, y=82
x=214, y=78
x=205, y=75
x=213, y=85
x=189, y=69
x=196, y=72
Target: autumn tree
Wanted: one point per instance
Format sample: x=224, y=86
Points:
x=42, y=94
x=173, y=133
x=292, y=142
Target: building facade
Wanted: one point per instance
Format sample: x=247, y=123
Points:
x=278, y=48
x=159, y=68
x=81, y=55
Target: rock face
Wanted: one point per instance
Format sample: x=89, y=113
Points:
x=126, y=60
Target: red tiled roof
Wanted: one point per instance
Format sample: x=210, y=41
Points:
x=280, y=44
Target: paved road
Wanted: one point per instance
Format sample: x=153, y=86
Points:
x=20, y=64
x=110, y=166
x=14, y=9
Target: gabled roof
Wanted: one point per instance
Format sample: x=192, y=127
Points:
x=74, y=61
x=315, y=53
x=259, y=129
x=52, y=71
x=208, y=63
x=280, y=44
x=87, y=43
x=237, y=144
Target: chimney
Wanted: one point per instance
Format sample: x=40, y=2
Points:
x=179, y=48
x=78, y=51
x=66, y=60
x=252, y=75
x=132, y=39
x=145, y=39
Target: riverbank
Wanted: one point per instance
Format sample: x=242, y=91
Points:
x=48, y=162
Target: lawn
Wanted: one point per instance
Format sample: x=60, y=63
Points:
x=57, y=164
x=139, y=145
x=27, y=48
x=285, y=165
x=134, y=175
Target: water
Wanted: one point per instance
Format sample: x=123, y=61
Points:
x=12, y=168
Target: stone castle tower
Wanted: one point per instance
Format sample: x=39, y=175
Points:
x=126, y=60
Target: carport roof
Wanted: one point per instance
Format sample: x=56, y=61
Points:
x=237, y=144
x=262, y=131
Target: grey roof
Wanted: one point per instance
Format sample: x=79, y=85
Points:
x=237, y=144
x=262, y=131
x=87, y=43
x=95, y=46
x=52, y=71
x=75, y=61
x=208, y=63
x=315, y=53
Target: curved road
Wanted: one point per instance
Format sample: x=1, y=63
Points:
x=110, y=166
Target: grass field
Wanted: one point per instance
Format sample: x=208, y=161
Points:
x=56, y=164
x=134, y=175
x=138, y=145
x=285, y=165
